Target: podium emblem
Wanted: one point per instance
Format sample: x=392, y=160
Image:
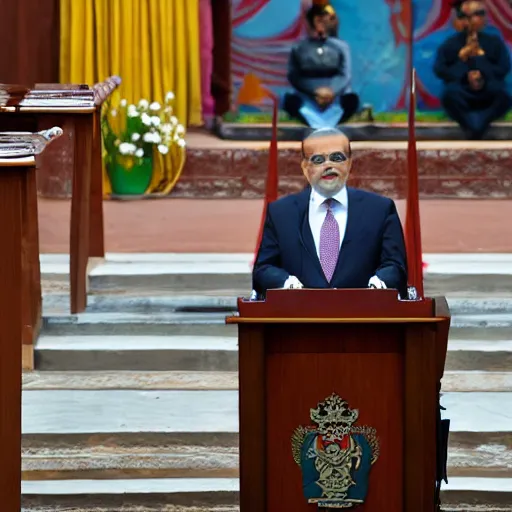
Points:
x=335, y=455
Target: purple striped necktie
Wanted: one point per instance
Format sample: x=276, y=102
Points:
x=329, y=241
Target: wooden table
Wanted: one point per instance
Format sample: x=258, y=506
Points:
x=86, y=227
x=16, y=182
x=15, y=149
x=82, y=127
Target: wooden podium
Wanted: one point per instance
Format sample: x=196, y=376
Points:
x=385, y=357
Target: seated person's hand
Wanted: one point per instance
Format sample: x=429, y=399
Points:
x=324, y=96
x=292, y=282
x=470, y=50
x=375, y=282
x=476, y=80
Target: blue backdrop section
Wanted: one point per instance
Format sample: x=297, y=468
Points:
x=378, y=64
x=374, y=30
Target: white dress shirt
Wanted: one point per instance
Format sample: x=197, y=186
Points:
x=318, y=211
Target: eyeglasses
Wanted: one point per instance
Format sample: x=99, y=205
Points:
x=463, y=16
x=336, y=157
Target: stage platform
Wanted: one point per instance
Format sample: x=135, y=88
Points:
x=217, y=168
x=361, y=131
x=448, y=169
x=366, y=125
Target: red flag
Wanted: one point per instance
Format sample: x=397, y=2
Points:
x=252, y=92
x=412, y=219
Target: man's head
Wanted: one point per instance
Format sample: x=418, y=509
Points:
x=471, y=15
x=322, y=20
x=460, y=22
x=476, y=14
x=326, y=160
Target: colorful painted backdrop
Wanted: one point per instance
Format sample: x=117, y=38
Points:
x=376, y=30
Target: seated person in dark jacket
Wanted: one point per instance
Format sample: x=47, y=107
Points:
x=473, y=66
x=319, y=70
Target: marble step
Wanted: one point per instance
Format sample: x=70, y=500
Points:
x=445, y=273
x=102, y=459
x=120, y=323
x=106, y=352
x=158, y=272
x=493, y=326
x=224, y=300
x=480, y=305
x=477, y=381
x=479, y=355
x=151, y=303
x=141, y=380
x=156, y=456
x=461, y=494
x=162, y=494
x=477, y=494
x=477, y=454
x=463, y=381
x=66, y=412
x=143, y=353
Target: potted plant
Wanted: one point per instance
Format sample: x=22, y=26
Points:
x=131, y=136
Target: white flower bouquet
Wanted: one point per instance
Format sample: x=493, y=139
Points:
x=132, y=133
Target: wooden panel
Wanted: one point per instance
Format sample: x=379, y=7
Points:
x=29, y=41
x=55, y=164
x=80, y=211
x=97, y=244
x=31, y=288
x=365, y=367
x=221, y=76
x=332, y=303
x=18, y=122
x=335, y=339
x=442, y=311
x=11, y=188
x=252, y=418
x=420, y=418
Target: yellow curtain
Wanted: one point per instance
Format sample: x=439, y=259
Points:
x=153, y=45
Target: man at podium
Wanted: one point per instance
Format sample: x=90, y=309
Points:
x=330, y=235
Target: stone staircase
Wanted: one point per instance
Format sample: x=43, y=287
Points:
x=133, y=406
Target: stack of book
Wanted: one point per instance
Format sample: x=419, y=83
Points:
x=11, y=95
x=57, y=95
x=46, y=95
x=25, y=144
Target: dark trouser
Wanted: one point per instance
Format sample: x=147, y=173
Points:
x=293, y=102
x=475, y=110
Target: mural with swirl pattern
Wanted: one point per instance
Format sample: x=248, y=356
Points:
x=375, y=30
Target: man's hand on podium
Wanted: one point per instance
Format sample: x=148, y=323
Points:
x=375, y=282
x=292, y=282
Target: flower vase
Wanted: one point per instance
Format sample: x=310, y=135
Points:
x=130, y=176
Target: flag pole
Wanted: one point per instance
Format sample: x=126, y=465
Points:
x=412, y=219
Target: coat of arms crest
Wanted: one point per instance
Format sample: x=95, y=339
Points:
x=334, y=455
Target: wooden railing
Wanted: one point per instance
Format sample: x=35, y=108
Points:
x=77, y=109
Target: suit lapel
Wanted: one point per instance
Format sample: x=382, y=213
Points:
x=305, y=235
x=354, y=219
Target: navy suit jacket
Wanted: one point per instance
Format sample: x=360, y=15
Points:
x=373, y=245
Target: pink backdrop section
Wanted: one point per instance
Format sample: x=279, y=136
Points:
x=206, y=49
